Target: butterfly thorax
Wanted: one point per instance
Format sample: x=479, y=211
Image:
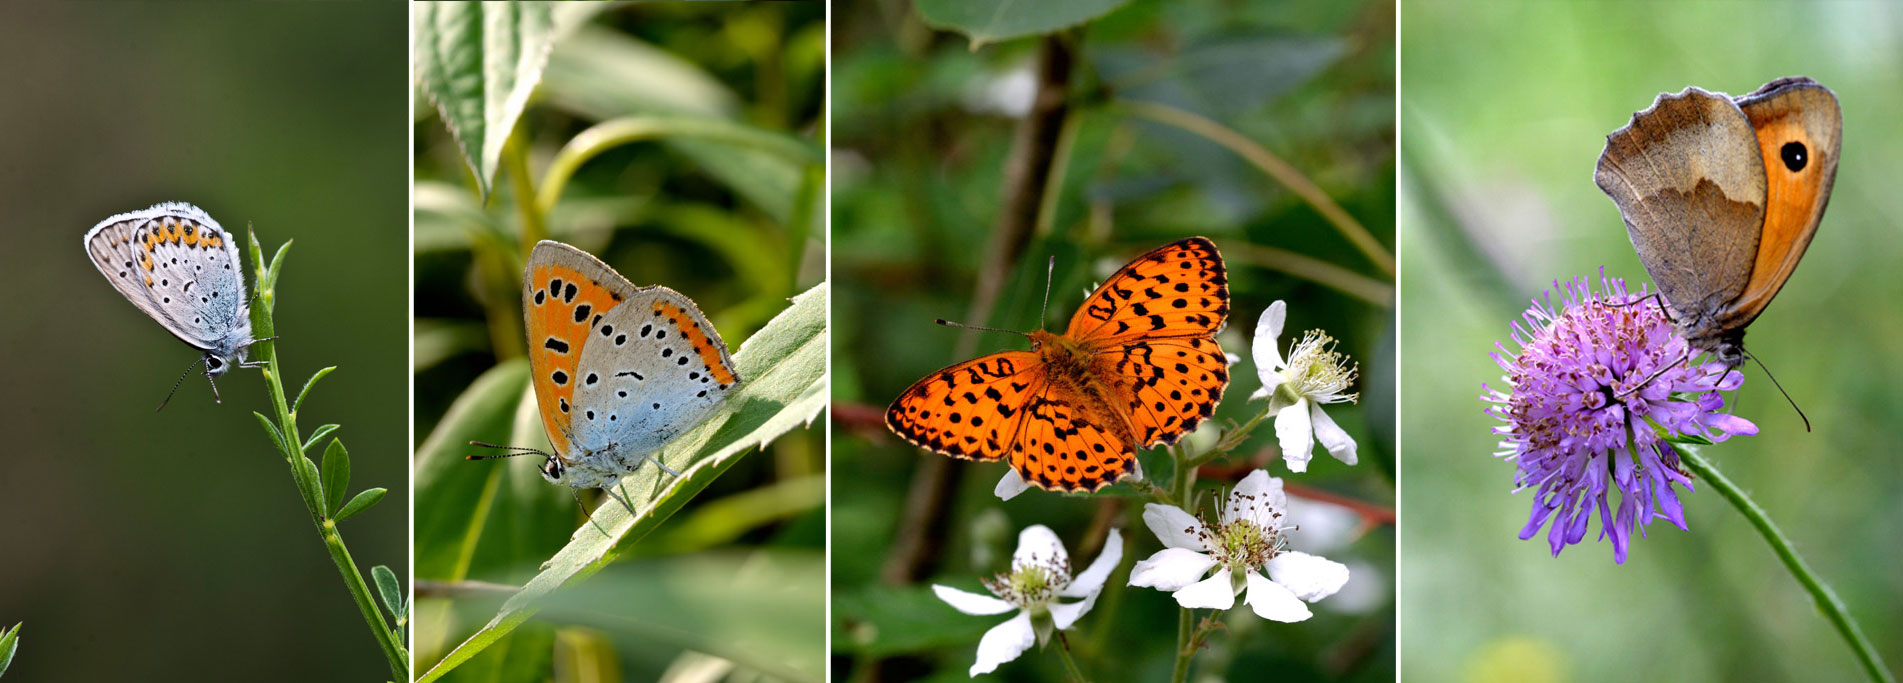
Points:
x=1077, y=369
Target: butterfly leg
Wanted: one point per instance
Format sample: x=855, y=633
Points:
x=214, y=389
x=611, y=490
x=576, y=493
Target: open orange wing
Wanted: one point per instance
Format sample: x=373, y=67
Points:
x=971, y=410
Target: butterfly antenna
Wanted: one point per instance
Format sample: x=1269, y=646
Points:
x=1655, y=375
x=949, y=323
x=1780, y=389
x=516, y=450
x=181, y=380
x=1050, y=270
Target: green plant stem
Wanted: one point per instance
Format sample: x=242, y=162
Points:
x=616, y=132
x=1184, y=628
x=1070, y=663
x=263, y=327
x=1825, y=599
x=1282, y=171
x=515, y=162
x=1183, y=487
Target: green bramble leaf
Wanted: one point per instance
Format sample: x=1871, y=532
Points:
x=991, y=21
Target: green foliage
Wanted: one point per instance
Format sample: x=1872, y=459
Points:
x=9, y=641
x=991, y=21
x=336, y=474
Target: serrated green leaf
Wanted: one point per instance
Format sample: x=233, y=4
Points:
x=318, y=436
x=478, y=62
x=271, y=429
x=784, y=387
x=388, y=588
x=361, y=502
x=9, y=641
x=299, y=403
x=336, y=476
x=990, y=21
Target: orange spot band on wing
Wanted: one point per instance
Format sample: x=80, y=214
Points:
x=563, y=305
x=708, y=352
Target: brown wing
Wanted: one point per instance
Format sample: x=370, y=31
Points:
x=1690, y=184
x=1799, y=130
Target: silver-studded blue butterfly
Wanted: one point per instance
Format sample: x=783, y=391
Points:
x=175, y=263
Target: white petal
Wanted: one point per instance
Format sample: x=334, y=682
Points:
x=1136, y=470
x=1174, y=527
x=1293, y=431
x=1170, y=569
x=969, y=602
x=1273, y=602
x=1037, y=544
x=1087, y=584
x=1338, y=443
x=1064, y=614
x=1004, y=643
x=1255, y=498
x=1268, y=331
x=1211, y=593
x=1310, y=577
x=1010, y=486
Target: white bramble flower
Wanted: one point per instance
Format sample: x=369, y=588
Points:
x=1040, y=574
x=1314, y=374
x=1247, y=540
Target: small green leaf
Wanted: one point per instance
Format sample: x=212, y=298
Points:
x=362, y=502
x=271, y=429
x=784, y=388
x=9, y=639
x=299, y=403
x=990, y=21
x=388, y=589
x=318, y=436
x=336, y=476
x=277, y=264
x=305, y=472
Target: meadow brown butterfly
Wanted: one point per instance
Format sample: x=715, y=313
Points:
x=1721, y=195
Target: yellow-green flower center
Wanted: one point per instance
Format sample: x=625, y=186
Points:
x=1317, y=372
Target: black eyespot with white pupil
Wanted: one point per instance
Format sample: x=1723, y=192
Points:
x=1795, y=156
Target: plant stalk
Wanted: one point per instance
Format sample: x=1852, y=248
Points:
x=1070, y=663
x=1825, y=599
x=264, y=327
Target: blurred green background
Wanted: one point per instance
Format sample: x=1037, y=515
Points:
x=716, y=223
x=172, y=546
x=1506, y=107
x=923, y=126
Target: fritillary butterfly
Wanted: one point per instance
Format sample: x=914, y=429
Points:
x=1138, y=366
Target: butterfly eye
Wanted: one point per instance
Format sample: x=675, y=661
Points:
x=214, y=363
x=1795, y=156
x=552, y=468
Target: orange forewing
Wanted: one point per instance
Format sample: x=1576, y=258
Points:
x=562, y=303
x=1807, y=116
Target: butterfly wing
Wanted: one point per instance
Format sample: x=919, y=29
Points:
x=1799, y=129
x=973, y=410
x=1064, y=446
x=1689, y=181
x=1154, y=322
x=175, y=263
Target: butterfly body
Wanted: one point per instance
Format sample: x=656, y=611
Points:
x=1137, y=366
x=1721, y=196
x=619, y=371
x=181, y=268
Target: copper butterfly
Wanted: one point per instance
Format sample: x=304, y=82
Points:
x=618, y=370
x=175, y=263
x=1138, y=366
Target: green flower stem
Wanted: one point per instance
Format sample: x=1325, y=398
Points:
x=292, y=446
x=1183, y=487
x=1070, y=663
x=1825, y=599
x=1185, y=626
x=613, y=133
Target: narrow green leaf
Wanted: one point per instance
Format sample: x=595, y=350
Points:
x=990, y=21
x=783, y=367
x=478, y=62
x=318, y=436
x=9, y=639
x=362, y=502
x=299, y=403
x=305, y=472
x=257, y=258
x=336, y=476
x=277, y=262
x=271, y=429
x=388, y=589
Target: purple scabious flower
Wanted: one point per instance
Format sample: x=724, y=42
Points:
x=1598, y=384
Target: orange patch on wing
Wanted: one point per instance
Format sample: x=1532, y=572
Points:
x=563, y=307
x=705, y=348
x=191, y=236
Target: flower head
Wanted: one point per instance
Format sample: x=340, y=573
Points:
x=1250, y=537
x=1597, y=384
x=1314, y=374
x=1040, y=574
